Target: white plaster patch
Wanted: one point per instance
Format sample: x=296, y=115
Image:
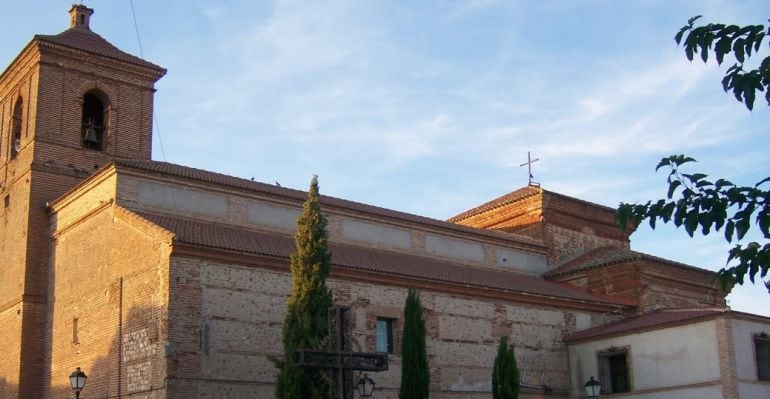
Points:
x=450, y=305
x=243, y=306
x=535, y=316
x=376, y=234
x=245, y=279
x=273, y=215
x=464, y=328
x=181, y=200
x=461, y=386
x=453, y=248
x=521, y=261
x=582, y=321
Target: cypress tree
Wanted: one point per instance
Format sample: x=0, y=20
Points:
x=415, y=375
x=306, y=323
x=505, y=374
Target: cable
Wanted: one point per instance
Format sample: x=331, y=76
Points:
x=136, y=28
x=154, y=115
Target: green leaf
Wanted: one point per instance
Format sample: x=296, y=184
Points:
x=672, y=187
x=693, y=19
x=623, y=214
x=758, y=40
x=705, y=220
x=729, y=230
x=738, y=50
x=691, y=222
x=722, y=47
x=697, y=176
x=741, y=228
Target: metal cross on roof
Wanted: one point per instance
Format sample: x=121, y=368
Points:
x=529, y=163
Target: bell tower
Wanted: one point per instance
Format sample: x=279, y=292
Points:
x=69, y=104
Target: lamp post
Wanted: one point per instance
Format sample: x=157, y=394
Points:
x=78, y=381
x=593, y=388
x=365, y=386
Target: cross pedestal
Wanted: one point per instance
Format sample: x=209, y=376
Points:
x=340, y=359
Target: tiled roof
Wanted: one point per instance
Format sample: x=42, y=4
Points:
x=299, y=196
x=653, y=320
x=498, y=202
x=609, y=255
x=88, y=41
x=368, y=260
x=518, y=195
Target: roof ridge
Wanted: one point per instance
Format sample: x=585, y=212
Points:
x=502, y=200
x=89, y=41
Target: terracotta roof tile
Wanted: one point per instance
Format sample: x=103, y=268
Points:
x=498, y=202
x=299, y=196
x=610, y=255
x=88, y=41
x=368, y=260
x=653, y=320
x=518, y=195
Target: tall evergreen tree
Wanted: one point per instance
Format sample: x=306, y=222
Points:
x=306, y=323
x=415, y=375
x=505, y=374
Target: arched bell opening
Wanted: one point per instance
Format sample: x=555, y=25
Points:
x=17, y=120
x=94, y=116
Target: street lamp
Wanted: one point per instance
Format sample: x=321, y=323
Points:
x=78, y=381
x=593, y=388
x=365, y=386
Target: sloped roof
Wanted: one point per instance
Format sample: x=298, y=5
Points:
x=393, y=264
x=498, y=202
x=299, y=196
x=610, y=255
x=517, y=195
x=654, y=320
x=88, y=41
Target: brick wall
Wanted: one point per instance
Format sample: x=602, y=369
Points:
x=568, y=226
x=51, y=83
x=112, y=282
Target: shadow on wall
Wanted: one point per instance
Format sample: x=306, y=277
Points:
x=131, y=362
x=8, y=390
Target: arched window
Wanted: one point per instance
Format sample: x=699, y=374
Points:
x=17, y=120
x=93, y=121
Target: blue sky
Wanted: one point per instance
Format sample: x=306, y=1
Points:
x=429, y=107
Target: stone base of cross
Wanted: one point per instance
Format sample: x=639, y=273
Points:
x=340, y=359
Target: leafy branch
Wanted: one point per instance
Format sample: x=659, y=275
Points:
x=694, y=202
x=740, y=41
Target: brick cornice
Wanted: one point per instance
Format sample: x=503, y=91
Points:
x=46, y=47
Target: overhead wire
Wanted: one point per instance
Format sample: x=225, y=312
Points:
x=155, y=123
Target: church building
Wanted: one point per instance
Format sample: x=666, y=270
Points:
x=165, y=281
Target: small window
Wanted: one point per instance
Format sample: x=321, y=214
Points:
x=614, y=371
x=75, y=339
x=385, y=335
x=762, y=346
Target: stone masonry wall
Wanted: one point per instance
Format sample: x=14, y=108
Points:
x=242, y=309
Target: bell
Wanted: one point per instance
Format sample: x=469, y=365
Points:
x=17, y=145
x=90, y=137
